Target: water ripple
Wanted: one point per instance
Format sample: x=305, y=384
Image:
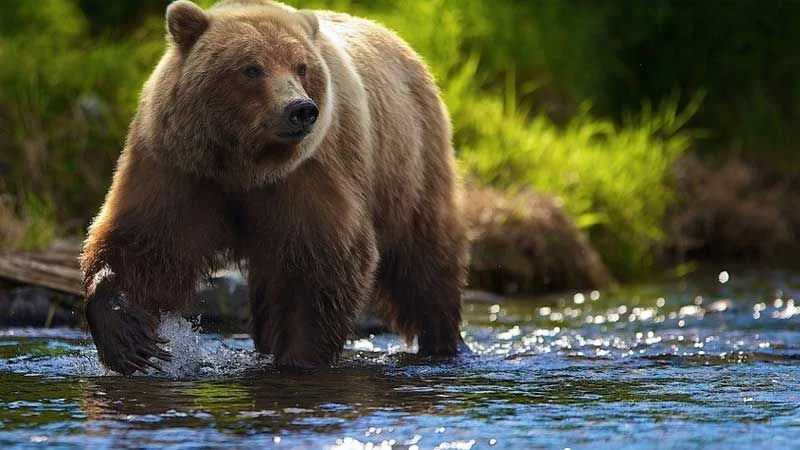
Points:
x=681, y=364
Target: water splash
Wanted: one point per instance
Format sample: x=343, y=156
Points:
x=184, y=344
x=60, y=352
x=196, y=357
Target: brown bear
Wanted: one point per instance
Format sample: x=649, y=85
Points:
x=313, y=147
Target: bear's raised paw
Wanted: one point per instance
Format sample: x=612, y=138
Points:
x=124, y=334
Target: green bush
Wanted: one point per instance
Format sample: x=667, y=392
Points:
x=618, y=54
x=614, y=180
x=67, y=100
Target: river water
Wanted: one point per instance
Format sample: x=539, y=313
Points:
x=712, y=361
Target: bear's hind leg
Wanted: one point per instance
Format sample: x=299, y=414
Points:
x=420, y=285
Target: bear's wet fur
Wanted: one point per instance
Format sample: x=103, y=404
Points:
x=313, y=146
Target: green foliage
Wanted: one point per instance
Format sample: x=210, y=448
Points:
x=741, y=52
x=65, y=102
x=32, y=227
x=614, y=180
x=619, y=53
x=515, y=76
x=40, y=223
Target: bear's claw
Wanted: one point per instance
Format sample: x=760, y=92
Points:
x=124, y=333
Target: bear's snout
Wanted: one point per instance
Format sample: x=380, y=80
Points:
x=300, y=115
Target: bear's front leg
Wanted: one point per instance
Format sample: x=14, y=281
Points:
x=305, y=298
x=157, y=232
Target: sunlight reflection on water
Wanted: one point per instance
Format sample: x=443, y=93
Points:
x=687, y=364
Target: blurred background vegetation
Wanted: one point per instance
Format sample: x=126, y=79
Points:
x=591, y=102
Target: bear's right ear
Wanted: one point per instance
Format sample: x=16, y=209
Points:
x=309, y=22
x=186, y=22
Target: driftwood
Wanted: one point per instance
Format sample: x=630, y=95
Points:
x=55, y=268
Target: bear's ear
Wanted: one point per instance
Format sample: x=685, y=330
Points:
x=186, y=22
x=309, y=21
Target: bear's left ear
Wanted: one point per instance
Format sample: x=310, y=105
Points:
x=186, y=22
x=309, y=21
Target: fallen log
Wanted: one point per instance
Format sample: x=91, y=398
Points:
x=55, y=268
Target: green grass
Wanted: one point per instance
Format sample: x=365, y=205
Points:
x=65, y=102
x=32, y=226
x=614, y=180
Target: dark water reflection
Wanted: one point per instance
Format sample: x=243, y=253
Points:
x=685, y=364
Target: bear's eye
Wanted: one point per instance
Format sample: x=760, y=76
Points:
x=253, y=72
x=302, y=69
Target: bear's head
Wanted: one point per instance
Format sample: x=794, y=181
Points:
x=242, y=95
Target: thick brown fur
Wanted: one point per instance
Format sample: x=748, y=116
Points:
x=362, y=208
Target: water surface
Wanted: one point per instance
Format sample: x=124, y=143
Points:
x=708, y=363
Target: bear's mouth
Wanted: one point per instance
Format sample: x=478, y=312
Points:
x=275, y=153
x=294, y=136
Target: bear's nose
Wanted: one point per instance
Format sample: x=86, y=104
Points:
x=302, y=113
